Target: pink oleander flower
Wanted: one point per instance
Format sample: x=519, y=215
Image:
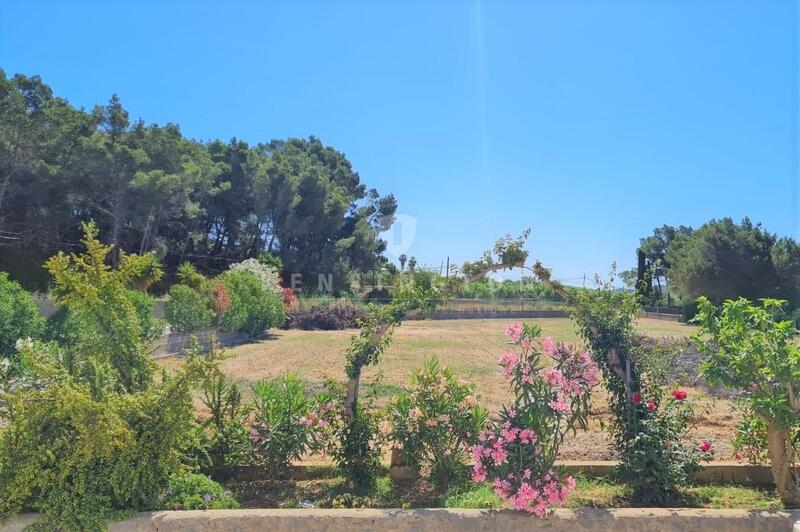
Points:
x=498, y=453
x=478, y=473
x=705, y=446
x=509, y=433
x=636, y=398
x=559, y=406
x=651, y=405
x=255, y=436
x=501, y=487
x=527, y=436
x=514, y=331
x=509, y=362
x=304, y=421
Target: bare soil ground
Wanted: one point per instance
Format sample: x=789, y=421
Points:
x=470, y=349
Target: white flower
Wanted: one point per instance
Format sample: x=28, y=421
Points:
x=24, y=344
x=269, y=276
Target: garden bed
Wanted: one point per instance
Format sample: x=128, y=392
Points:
x=719, y=486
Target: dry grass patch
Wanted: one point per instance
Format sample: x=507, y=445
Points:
x=469, y=347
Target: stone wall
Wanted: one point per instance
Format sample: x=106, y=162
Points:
x=441, y=520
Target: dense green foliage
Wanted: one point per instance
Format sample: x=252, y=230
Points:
x=86, y=431
x=722, y=260
x=286, y=423
x=252, y=308
x=80, y=459
x=435, y=421
x=488, y=288
x=109, y=340
x=19, y=317
x=749, y=349
x=149, y=188
x=649, y=434
x=187, y=309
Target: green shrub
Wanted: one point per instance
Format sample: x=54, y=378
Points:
x=435, y=421
x=143, y=303
x=19, y=317
x=187, y=309
x=224, y=436
x=253, y=309
x=190, y=491
x=354, y=445
x=286, y=425
x=80, y=460
x=107, y=329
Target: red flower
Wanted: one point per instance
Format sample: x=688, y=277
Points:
x=288, y=296
x=651, y=405
x=636, y=398
x=679, y=395
x=705, y=446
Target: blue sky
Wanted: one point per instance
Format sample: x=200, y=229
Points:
x=591, y=122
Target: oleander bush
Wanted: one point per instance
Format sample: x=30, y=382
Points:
x=286, y=423
x=518, y=452
x=352, y=437
x=435, y=422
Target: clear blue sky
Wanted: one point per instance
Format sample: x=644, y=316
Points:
x=591, y=122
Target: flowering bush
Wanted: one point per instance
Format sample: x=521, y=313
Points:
x=661, y=446
x=435, y=421
x=287, y=423
x=267, y=275
x=518, y=454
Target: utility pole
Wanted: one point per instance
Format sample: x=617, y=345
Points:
x=447, y=272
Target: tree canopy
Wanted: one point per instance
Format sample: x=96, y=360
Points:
x=725, y=260
x=150, y=189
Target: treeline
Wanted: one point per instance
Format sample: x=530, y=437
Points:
x=720, y=260
x=149, y=188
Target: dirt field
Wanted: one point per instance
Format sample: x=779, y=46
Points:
x=469, y=348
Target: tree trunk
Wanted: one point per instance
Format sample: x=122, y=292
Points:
x=352, y=395
x=782, y=457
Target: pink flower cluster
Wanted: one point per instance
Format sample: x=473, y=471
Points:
x=519, y=461
x=575, y=374
x=537, y=495
x=523, y=490
x=313, y=421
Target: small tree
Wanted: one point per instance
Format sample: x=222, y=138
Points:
x=749, y=349
x=109, y=333
x=378, y=325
